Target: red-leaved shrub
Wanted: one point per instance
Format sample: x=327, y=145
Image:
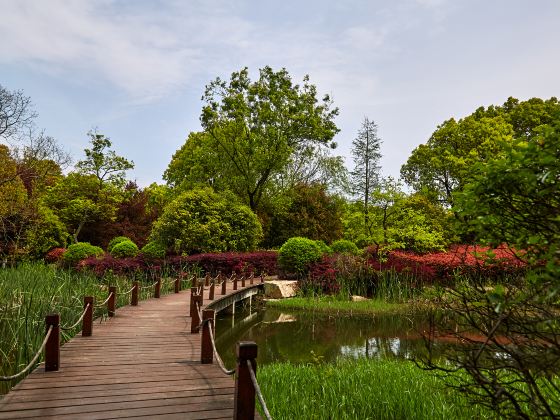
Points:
x=54, y=255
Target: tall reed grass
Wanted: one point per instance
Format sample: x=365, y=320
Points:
x=361, y=389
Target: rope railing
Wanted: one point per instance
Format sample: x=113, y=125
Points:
x=129, y=291
x=150, y=286
x=258, y=390
x=105, y=301
x=71, y=327
x=32, y=362
x=215, y=350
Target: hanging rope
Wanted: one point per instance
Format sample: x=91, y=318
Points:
x=104, y=302
x=78, y=321
x=258, y=390
x=30, y=365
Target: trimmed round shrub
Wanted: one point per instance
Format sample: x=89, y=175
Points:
x=124, y=249
x=153, y=250
x=325, y=249
x=79, y=251
x=116, y=240
x=344, y=246
x=201, y=220
x=295, y=256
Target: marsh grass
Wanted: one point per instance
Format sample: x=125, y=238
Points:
x=31, y=291
x=338, y=305
x=361, y=389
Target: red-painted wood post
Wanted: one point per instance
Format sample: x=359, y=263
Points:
x=195, y=320
x=177, y=285
x=243, y=281
x=262, y=278
x=235, y=282
x=52, y=348
x=224, y=285
x=206, y=349
x=212, y=290
x=252, y=279
x=111, y=303
x=134, y=295
x=157, y=288
x=87, y=322
x=207, y=280
x=192, y=301
x=244, y=397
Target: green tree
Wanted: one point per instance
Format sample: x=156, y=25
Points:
x=256, y=127
x=201, y=220
x=104, y=163
x=513, y=200
x=365, y=176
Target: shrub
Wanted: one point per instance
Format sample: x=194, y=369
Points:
x=55, y=255
x=344, y=246
x=80, y=251
x=153, y=250
x=201, y=220
x=295, y=256
x=124, y=249
x=325, y=249
x=260, y=262
x=116, y=240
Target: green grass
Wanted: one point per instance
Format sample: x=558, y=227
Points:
x=335, y=305
x=360, y=389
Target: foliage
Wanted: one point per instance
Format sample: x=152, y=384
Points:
x=55, y=255
x=261, y=262
x=204, y=221
x=252, y=131
x=103, y=163
x=308, y=211
x=345, y=246
x=46, y=232
x=153, y=250
x=338, y=306
x=124, y=249
x=325, y=249
x=443, y=165
x=116, y=240
x=360, y=389
x=365, y=175
x=296, y=254
x=79, y=251
x=514, y=199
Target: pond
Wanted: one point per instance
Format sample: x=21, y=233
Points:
x=306, y=337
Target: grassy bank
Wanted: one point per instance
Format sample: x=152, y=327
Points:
x=335, y=305
x=360, y=389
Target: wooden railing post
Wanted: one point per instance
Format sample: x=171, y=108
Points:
x=206, y=349
x=262, y=278
x=242, y=281
x=87, y=322
x=111, y=303
x=195, y=320
x=157, y=288
x=192, y=307
x=252, y=279
x=134, y=295
x=244, y=397
x=207, y=280
x=224, y=286
x=212, y=290
x=52, y=348
x=177, y=285
x=235, y=282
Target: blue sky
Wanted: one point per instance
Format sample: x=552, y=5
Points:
x=136, y=69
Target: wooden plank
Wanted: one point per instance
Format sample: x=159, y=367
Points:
x=143, y=362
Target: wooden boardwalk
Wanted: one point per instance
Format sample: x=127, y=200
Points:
x=143, y=363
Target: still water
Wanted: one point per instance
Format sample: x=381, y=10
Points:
x=304, y=337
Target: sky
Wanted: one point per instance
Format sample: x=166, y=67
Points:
x=136, y=70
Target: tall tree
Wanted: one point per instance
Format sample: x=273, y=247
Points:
x=256, y=127
x=365, y=176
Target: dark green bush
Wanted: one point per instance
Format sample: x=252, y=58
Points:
x=325, y=249
x=124, y=249
x=153, y=250
x=344, y=246
x=201, y=220
x=116, y=240
x=295, y=256
x=79, y=251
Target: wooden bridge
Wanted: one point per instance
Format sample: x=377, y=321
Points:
x=146, y=361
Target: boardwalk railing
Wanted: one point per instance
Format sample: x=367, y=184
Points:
x=246, y=385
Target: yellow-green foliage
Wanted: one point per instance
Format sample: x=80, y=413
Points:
x=297, y=253
x=79, y=251
x=124, y=249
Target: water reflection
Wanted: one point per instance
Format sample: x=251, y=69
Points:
x=301, y=337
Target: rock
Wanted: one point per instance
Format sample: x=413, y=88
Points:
x=358, y=298
x=279, y=289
